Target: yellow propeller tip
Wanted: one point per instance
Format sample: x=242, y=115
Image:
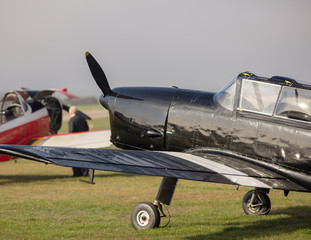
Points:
x=87, y=53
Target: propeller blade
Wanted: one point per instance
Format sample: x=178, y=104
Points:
x=100, y=78
x=98, y=74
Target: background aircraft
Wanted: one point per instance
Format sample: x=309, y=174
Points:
x=34, y=118
x=254, y=132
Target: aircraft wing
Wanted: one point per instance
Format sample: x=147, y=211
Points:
x=208, y=166
x=90, y=139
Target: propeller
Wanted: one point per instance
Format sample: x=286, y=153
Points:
x=101, y=80
x=98, y=74
x=66, y=108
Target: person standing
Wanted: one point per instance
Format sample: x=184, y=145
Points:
x=77, y=123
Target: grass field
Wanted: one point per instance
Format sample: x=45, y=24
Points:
x=44, y=202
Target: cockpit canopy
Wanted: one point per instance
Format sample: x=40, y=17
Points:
x=276, y=96
x=12, y=106
x=15, y=104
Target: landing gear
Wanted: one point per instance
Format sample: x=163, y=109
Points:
x=256, y=202
x=78, y=172
x=146, y=215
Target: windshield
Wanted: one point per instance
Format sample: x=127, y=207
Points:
x=11, y=107
x=225, y=97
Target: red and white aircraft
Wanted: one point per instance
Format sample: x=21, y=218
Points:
x=34, y=118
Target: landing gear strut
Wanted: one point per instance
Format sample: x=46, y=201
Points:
x=146, y=215
x=257, y=202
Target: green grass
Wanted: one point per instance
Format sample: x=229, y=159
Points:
x=90, y=107
x=44, y=202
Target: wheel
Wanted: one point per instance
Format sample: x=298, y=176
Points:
x=85, y=172
x=78, y=172
x=261, y=204
x=145, y=215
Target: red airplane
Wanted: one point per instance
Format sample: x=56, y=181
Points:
x=34, y=118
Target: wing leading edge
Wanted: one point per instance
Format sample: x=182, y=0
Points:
x=199, y=166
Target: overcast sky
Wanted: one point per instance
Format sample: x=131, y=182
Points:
x=190, y=44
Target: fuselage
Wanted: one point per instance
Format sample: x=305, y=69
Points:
x=23, y=128
x=19, y=130
x=23, y=118
x=182, y=120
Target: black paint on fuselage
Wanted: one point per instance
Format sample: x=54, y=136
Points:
x=175, y=119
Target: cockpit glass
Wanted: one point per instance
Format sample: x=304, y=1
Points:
x=258, y=97
x=294, y=103
x=225, y=97
x=8, y=100
x=10, y=108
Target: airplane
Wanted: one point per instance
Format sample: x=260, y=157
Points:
x=34, y=117
x=254, y=132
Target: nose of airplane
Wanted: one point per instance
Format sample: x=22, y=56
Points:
x=102, y=82
x=104, y=101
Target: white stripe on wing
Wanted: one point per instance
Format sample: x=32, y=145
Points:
x=235, y=176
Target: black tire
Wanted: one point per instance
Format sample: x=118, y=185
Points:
x=78, y=172
x=145, y=215
x=261, y=206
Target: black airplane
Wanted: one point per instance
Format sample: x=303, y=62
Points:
x=254, y=132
